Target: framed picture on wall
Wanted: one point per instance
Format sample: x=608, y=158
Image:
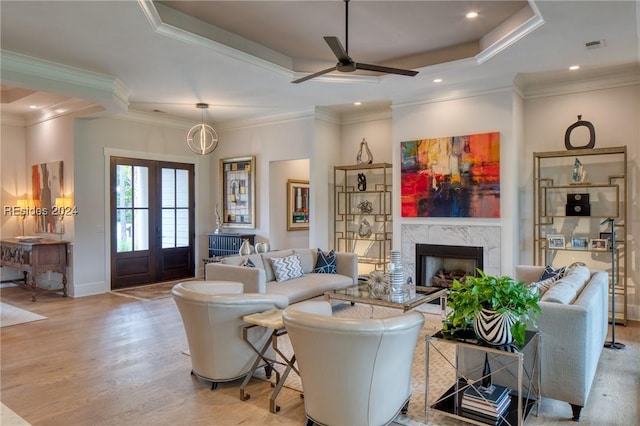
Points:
x=297, y=205
x=237, y=188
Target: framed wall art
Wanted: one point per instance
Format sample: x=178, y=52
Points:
x=237, y=188
x=455, y=176
x=47, y=185
x=297, y=205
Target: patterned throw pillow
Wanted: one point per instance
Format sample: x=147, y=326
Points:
x=287, y=268
x=326, y=263
x=549, y=272
x=544, y=285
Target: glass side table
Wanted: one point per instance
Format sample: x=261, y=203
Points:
x=515, y=367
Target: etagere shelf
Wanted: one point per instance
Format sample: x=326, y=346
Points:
x=362, y=213
x=604, y=195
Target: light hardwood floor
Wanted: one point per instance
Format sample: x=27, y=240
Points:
x=112, y=360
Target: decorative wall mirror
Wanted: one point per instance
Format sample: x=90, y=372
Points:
x=297, y=205
x=237, y=186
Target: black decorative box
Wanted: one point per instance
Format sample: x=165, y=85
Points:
x=578, y=210
x=582, y=199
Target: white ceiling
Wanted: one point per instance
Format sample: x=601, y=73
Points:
x=241, y=56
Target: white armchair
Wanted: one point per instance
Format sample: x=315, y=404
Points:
x=353, y=371
x=212, y=315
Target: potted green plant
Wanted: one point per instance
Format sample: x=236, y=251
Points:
x=487, y=303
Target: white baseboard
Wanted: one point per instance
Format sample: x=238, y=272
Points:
x=88, y=289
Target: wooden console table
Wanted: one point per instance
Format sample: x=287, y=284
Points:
x=34, y=256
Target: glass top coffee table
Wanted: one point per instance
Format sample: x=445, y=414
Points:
x=360, y=294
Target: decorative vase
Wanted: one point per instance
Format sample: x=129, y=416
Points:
x=493, y=327
x=364, y=145
x=262, y=247
x=245, y=248
x=398, y=292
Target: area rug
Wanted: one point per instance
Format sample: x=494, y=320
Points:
x=441, y=374
x=9, y=418
x=150, y=291
x=12, y=315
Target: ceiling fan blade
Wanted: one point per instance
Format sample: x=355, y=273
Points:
x=338, y=50
x=388, y=70
x=315, y=74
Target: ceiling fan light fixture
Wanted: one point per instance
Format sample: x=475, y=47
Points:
x=202, y=139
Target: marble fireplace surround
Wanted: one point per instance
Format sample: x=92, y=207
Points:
x=485, y=236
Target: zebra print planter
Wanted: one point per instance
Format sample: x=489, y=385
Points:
x=494, y=328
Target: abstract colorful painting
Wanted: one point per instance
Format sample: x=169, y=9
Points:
x=456, y=176
x=47, y=184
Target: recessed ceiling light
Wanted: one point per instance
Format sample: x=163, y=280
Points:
x=574, y=67
x=357, y=103
x=33, y=107
x=472, y=15
x=437, y=80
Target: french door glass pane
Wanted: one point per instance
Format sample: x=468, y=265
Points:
x=182, y=188
x=182, y=228
x=123, y=186
x=141, y=229
x=168, y=228
x=124, y=241
x=141, y=187
x=168, y=188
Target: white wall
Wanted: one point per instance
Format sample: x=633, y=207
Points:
x=14, y=184
x=95, y=141
x=326, y=154
x=615, y=115
x=284, y=140
x=375, y=128
x=280, y=173
x=493, y=112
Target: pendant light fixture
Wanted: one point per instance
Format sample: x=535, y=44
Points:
x=202, y=138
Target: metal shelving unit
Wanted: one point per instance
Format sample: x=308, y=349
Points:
x=362, y=213
x=606, y=187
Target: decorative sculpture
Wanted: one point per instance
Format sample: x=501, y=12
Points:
x=579, y=173
x=580, y=123
x=364, y=145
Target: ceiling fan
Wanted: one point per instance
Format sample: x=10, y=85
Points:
x=345, y=63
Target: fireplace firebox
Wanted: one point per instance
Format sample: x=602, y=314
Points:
x=438, y=265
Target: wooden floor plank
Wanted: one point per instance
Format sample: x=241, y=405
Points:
x=112, y=360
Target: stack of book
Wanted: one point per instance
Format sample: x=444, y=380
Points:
x=487, y=407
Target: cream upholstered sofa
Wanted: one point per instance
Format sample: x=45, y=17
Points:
x=353, y=371
x=260, y=278
x=573, y=336
x=212, y=315
x=573, y=325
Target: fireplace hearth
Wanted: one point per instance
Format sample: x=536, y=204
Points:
x=438, y=265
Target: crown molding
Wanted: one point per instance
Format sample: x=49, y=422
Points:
x=523, y=22
x=628, y=76
x=38, y=74
x=301, y=114
x=453, y=97
x=364, y=117
x=12, y=120
x=162, y=120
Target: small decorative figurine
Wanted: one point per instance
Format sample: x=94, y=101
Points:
x=218, y=220
x=579, y=173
